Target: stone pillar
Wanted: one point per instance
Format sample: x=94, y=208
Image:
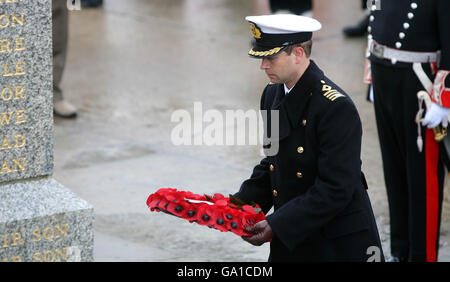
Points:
x=40, y=220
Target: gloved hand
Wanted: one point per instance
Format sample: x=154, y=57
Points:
x=263, y=233
x=436, y=115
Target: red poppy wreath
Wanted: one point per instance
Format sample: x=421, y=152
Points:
x=227, y=214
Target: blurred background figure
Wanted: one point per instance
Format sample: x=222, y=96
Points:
x=298, y=7
x=61, y=107
x=360, y=28
x=91, y=3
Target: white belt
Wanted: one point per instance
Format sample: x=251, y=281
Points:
x=384, y=52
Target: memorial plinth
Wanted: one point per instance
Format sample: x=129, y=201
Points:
x=40, y=220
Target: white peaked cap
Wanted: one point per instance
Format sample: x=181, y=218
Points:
x=273, y=33
x=285, y=23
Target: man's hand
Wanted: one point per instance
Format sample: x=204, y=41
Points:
x=263, y=233
x=436, y=115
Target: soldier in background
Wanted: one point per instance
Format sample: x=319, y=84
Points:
x=61, y=107
x=404, y=39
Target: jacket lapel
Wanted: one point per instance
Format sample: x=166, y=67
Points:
x=278, y=102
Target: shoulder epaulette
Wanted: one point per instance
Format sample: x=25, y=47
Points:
x=330, y=93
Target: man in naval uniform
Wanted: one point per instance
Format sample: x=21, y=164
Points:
x=404, y=39
x=322, y=211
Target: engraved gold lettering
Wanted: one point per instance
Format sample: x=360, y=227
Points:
x=16, y=259
x=62, y=230
x=61, y=254
x=5, y=144
x=17, y=239
x=13, y=259
x=8, y=93
x=5, y=117
x=10, y=1
x=20, y=142
x=19, y=45
x=20, y=116
x=36, y=235
x=13, y=20
x=19, y=69
x=5, y=46
x=49, y=256
x=19, y=93
x=16, y=19
x=56, y=255
x=4, y=21
x=5, y=70
x=48, y=233
x=37, y=256
x=5, y=240
x=5, y=168
x=18, y=164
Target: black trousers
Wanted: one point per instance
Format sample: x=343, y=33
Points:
x=414, y=180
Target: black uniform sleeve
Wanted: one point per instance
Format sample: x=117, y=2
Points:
x=257, y=187
x=339, y=174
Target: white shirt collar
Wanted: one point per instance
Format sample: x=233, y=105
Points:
x=286, y=89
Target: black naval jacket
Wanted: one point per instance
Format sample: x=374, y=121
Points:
x=321, y=208
x=413, y=25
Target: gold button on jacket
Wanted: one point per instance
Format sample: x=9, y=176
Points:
x=300, y=150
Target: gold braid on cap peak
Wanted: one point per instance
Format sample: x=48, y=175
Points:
x=264, y=53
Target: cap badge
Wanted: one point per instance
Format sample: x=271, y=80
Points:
x=255, y=31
